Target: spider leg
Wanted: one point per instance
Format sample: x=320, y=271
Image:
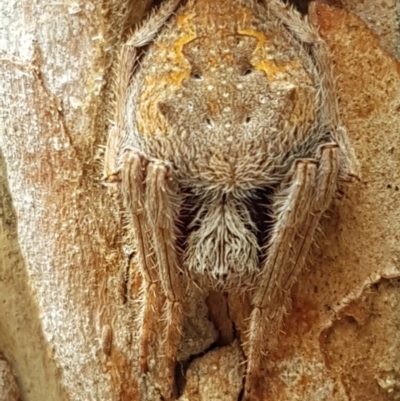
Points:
x=308, y=34
x=162, y=207
x=125, y=70
x=153, y=206
x=298, y=209
x=133, y=191
x=126, y=169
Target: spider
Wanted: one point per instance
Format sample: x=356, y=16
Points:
x=227, y=148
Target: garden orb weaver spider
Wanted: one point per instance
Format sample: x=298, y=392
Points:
x=227, y=102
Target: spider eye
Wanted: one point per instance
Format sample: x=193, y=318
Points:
x=209, y=122
x=247, y=71
x=197, y=76
x=248, y=119
x=163, y=107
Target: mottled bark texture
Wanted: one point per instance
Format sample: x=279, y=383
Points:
x=9, y=390
x=67, y=309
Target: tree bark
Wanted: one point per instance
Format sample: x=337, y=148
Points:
x=68, y=288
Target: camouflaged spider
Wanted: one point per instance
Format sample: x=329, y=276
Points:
x=227, y=102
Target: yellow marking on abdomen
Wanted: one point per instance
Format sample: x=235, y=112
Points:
x=178, y=70
x=260, y=36
x=271, y=68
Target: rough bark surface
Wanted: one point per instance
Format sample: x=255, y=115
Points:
x=9, y=390
x=382, y=17
x=67, y=311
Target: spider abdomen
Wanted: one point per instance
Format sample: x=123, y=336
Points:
x=224, y=94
